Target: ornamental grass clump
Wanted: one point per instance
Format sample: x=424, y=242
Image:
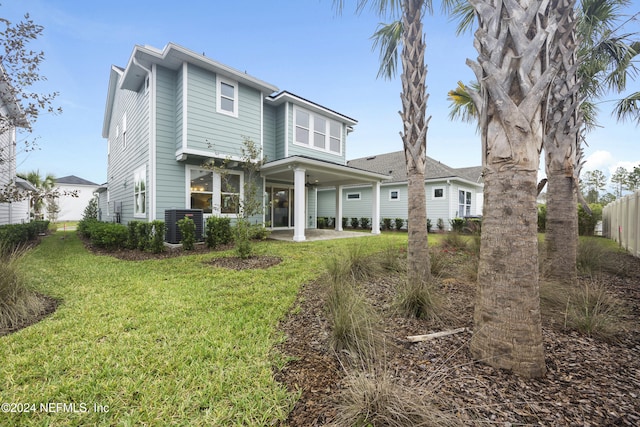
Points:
x=17, y=301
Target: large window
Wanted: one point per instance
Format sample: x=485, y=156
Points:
x=227, y=97
x=464, y=203
x=140, y=192
x=315, y=131
x=215, y=194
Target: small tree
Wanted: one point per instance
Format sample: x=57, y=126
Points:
x=91, y=211
x=251, y=203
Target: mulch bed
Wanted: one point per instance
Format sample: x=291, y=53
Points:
x=589, y=382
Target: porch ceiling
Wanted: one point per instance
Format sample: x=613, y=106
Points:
x=318, y=172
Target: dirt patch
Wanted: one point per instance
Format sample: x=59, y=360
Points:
x=588, y=381
x=253, y=262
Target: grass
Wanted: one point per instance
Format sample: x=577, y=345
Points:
x=157, y=342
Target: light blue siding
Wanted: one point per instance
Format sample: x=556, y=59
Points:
x=170, y=174
x=269, y=133
x=208, y=130
x=123, y=161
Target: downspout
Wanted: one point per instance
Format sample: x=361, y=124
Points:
x=152, y=139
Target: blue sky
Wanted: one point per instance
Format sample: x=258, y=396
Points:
x=301, y=46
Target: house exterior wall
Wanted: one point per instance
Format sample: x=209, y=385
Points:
x=18, y=211
x=72, y=208
x=445, y=207
x=125, y=158
x=269, y=130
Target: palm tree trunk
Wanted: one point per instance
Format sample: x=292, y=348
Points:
x=561, y=236
x=562, y=150
x=512, y=68
x=508, y=332
x=414, y=137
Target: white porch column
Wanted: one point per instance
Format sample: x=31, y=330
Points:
x=375, y=207
x=299, y=219
x=338, y=221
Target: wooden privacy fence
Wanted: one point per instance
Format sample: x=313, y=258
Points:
x=621, y=222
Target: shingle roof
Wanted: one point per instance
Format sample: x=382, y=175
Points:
x=394, y=164
x=74, y=180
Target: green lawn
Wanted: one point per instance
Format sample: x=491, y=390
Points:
x=157, y=342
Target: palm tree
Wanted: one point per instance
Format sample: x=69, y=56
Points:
x=408, y=33
x=605, y=61
x=45, y=189
x=512, y=41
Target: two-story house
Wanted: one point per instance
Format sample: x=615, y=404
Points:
x=171, y=110
x=14, y=201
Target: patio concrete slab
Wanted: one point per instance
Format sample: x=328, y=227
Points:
x=312, y=234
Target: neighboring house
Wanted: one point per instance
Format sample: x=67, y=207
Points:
x=75, y=195
x=12, y=117
x=170, y=111
x=450, y=193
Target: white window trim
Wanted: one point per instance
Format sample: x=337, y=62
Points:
x=470, y=205
x=312, y=131
x=353, y=200
x=444, y=193
x=220, y=81
x=140, y=172
x=216, y=196
x=391, y=198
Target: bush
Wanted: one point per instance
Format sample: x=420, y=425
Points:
x=259, y=232
x=242, y=234
x=344, y=222
x=188, y=230
x=386, y=223
x=109, y=235
x=322, y=222
x=218, y=231
x=132, y=234
x=586, y=222
x=399, y=223
x=143, y=234
x=457, y=224
x=440, y=224
x=364, y=222
x=86, y=226
x=158, y=229
x=429, y=225
x=355, y=222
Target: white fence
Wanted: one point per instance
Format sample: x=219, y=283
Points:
x=621, y=222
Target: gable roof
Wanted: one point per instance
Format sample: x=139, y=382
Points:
x=74, y=180
x=394, y=164
x=285, y=95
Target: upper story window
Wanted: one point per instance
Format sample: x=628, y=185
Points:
x=227, y=97
x=438, y=193
x=394, y=194
x=317, y=132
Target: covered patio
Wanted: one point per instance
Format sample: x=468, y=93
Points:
x=308, y=173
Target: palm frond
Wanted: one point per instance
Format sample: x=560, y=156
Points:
x=628, y=108
x=461, y=103
x=388, y=39
x=464, y=14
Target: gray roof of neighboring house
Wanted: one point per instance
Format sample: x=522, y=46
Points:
x=73, y=180
x=394, y=164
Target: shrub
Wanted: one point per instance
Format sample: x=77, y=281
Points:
x=17, y=302
x=473, y=225
x=218, y=231
x=587, y=222
x=386, y=223
x=457, y=224
x=143, y=235
x=364, y=222
x=132, y=234
x=344, y=222
x=242, y=234
x=158, y=229
x=259, y=232
x=109, y=235
x=399, y=222
x=91, y=210
x=188, y=230
x=322, y=222
x=355, y=222
x=440, y=224
x=86, y=226
x=429, y=225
